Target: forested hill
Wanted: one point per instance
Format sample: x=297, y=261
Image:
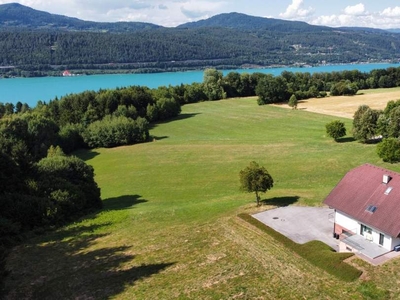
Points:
x=34, y=43
x=242, y=21
x=15, y=15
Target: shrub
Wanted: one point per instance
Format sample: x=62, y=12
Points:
x=68, y=182
x=336, y=129
x=389, y=150
x=116, y=131
x=293, y=102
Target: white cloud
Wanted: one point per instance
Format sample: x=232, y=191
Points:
x=296, y=10
x=356, y=10
x=391, y=12
x=200, y=9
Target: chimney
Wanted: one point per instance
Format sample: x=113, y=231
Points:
x=386, y=179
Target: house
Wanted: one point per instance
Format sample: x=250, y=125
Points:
x=66, y=73
x=367, y=207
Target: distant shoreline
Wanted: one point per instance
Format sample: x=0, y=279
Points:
x=88, y=72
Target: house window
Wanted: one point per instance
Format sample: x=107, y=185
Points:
x=365, y=230
x=381, y=239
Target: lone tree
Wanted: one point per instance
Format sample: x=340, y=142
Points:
x=335, y=129
x=255, y=179
x=293, y=102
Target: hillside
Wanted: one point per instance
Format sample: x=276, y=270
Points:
x=169, y=228
x=38, y=44
x=242, y=21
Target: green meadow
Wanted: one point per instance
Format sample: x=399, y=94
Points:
x=169, y=228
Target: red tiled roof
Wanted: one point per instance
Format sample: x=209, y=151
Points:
x=362, y=187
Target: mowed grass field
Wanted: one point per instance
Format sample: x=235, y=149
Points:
x=345, y=106
x=169, y=228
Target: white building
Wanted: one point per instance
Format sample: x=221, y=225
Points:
x=367, y=205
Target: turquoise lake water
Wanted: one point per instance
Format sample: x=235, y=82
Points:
x=30, y=90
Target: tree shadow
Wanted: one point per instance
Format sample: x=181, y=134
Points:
x=158, y=138
x=99, y=274
x=346, y=140
x=177, y=118
x=122, y=202
x=374, y=141
x=86, y=154
x=74, y=267
x=281, y=201
x=74, y=262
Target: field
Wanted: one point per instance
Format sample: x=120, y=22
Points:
x=169, y=229
x=345, y=106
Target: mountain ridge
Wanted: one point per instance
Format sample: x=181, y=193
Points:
x=15, y=15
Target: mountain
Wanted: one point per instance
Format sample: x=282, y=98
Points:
x=242, y=21
x=394, y=30
x=39, y=43
x=14, y=15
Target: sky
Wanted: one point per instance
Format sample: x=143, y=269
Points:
x=170, y=13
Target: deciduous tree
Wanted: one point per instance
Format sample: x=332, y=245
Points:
x=255, y=179
x=365, y=123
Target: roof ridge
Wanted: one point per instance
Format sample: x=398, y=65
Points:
x=379, y=168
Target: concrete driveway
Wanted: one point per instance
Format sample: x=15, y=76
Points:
x=301, y=224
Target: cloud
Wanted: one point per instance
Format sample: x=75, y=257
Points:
x=391, y=12
x=295, y=10
x=355, y=10
x=106, y=6
x=201, y=9
x=162, y=6
x=194, y=14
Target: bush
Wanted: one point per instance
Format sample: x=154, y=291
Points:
x=167, y=108
x=344, y=88
x=293, y=102
x=389, y=150
x=70, y=138
x=336, y=129
x=68, y=182
x=116, y=131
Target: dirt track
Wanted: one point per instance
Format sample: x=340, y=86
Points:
x=345, y=106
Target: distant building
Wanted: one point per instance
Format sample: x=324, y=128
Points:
x=66, y=73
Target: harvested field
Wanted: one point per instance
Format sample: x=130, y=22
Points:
x=345, y=106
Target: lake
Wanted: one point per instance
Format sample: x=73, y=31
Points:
x=30, y=90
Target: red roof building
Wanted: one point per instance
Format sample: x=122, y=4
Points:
x=367, y=203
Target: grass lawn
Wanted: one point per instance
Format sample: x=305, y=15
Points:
x=169, y=229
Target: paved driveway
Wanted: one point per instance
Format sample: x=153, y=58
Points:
x=301, y=224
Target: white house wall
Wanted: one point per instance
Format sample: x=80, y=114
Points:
x=354, y=226
x=394, y=242
x=347, y=222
